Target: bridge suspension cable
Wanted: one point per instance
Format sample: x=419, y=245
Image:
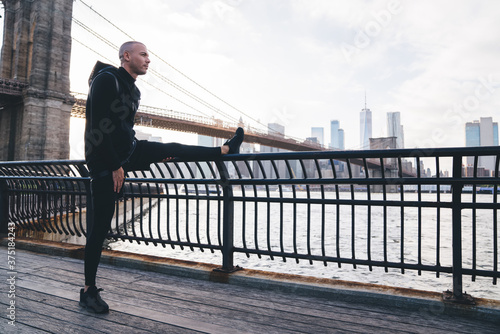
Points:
x=155, y=73
x=91, y=49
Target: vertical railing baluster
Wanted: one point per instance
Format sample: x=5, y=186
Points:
x=474, y=215
x=402, y=217
x=457, y=227
x=419, y=218
x=244, y=210
x=495, y=221
x=438, y=220
x=384, y=210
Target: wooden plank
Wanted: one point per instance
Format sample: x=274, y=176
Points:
x=63, y=290
x=62, y=311
x=18, y=328
x=27, y=317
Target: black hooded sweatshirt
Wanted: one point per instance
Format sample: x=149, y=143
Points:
x=112, y=103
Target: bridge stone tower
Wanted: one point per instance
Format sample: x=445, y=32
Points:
x=36, y=50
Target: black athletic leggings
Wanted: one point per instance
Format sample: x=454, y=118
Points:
x=103, y=196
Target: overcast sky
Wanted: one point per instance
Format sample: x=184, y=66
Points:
x=305, y=63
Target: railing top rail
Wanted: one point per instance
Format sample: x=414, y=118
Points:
x=391, y=153
x=43, y=162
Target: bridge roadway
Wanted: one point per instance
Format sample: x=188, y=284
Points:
x=46, y=289
x=177, y=121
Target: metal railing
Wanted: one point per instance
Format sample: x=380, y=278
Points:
x=313, y=206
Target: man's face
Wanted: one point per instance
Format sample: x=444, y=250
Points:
x=139, y=59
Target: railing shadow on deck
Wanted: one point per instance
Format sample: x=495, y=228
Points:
x=345, y=207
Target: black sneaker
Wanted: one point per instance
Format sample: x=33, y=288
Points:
x=92, y=301
x=235, y=142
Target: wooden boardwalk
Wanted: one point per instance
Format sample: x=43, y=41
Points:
x=47, y=291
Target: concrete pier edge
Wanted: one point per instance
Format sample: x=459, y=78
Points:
x=417, y=301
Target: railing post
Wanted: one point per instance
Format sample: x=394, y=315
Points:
x=457, y=295
x=227, y=221
x=457, y=228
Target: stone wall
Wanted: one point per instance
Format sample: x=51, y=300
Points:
x=37, y=50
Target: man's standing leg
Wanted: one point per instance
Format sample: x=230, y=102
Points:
x=103, y=200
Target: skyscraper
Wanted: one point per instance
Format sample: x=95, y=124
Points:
x=472, y=137
x=336, y=135
x=365, y=128
x=318, y=133
x=341, y=139
x=395, y=129
x=482, y=133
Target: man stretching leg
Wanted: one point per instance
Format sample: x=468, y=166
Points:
x=111, y=150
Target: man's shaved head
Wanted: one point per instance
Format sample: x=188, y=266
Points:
x=127, y=47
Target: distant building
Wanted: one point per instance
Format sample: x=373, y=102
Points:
x=341, y=139
x=472, y=134
x=482, y=133
x=336, y=135
x=319, y=133
x=395, y=129
x=365, y=128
